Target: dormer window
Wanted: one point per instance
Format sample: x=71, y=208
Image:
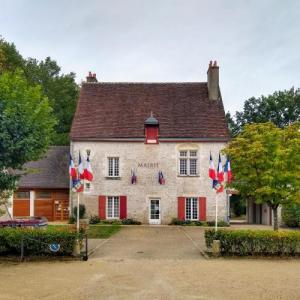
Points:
x=151, y=130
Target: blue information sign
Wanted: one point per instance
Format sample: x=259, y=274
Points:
x=54, y=247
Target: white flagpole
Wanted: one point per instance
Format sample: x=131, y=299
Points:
x=78, y=212
x=216, y=220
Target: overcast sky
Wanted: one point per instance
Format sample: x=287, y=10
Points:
x=256, y=43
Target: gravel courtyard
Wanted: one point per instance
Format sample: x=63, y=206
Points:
x=124, y=268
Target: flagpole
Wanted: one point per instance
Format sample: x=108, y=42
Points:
x=216, y=220
x=78, y=212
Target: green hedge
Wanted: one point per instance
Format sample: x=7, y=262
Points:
x=255, y=242
x=37, y=241
x=176, y=221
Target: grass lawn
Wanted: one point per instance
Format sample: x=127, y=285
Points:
x=102, y=232
x=95, y=231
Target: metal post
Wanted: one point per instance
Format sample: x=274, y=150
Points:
x=78, y=212
x=216, y=220
x=86, y=257
x=22, y=248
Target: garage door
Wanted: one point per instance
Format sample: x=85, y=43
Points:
x=43, y=205
x=21, y=204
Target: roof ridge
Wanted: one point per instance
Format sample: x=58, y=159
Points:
x=145, y=82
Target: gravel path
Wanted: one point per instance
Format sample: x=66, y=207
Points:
x=152, y=263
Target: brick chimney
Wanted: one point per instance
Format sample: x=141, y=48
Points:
x=213, y=81
x=91, y=77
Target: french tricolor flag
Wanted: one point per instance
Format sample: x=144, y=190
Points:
x=72, y=169
x=80, y=168
x=220, y=173
x=227, y=170
x=211, y=171
x=88, y=173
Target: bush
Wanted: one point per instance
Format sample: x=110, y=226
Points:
x=220, y=223
x=81, y=211
x=130, y=222
x=112, y=222
x=72, y=220
x=175, y=221
x=37, y=241
x=94, y=219
x=255, y=242
x=291, y=215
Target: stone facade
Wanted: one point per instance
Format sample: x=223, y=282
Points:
x=147, y=160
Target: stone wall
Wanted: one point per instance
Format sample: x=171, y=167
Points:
x=148, y=160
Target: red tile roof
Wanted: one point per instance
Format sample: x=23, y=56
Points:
x=118, y=110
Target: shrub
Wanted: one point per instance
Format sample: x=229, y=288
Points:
x=37, y=241
x=72, y=220
x=255, y=242
x=94, y=219
x=131, y=222
x=291, y=215
x=112, y=222
x=175, y=221
x=220, y=223
x=81, y=211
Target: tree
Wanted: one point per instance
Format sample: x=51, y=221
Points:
x=10, y=58
x=282, y=108
x=266, y=164
x=26, y=127
x=61, y=90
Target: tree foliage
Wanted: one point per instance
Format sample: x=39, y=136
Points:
x=282, y=108
x=26, y=126
x=266, y=164
x=60, y=89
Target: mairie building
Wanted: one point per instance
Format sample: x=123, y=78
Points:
x=149, y=146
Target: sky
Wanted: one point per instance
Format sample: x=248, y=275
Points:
x=255, y=42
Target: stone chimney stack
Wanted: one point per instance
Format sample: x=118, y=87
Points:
x=91, y=77
x=213, y=81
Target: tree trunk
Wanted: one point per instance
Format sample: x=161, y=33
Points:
x=275, y=218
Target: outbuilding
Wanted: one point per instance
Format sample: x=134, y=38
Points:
x=44, y=190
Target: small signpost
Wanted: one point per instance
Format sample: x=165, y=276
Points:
x=54, y=247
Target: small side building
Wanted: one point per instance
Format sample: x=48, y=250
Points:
x=44, y=190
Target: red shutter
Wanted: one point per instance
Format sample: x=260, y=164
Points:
x=151, y=134
x=102, y=207
x=202, y=209
x=181, y=208
x=123, y=207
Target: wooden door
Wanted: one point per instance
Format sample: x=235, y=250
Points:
x=61, y=206
x=21, y=204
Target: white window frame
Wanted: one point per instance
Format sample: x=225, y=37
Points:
x=115, y=167
x=188, y=157
x=115, y=199
x=191, y=208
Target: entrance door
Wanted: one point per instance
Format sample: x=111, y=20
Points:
x=154, y=211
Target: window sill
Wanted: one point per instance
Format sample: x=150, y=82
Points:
x=188, y=175
x=113, y=177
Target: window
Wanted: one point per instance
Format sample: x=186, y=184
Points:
x=23, y=195
x=113, y=207
x=188, y=162
x=113, y=167
x=44, y=195
x=152, y=135
x=191, y=209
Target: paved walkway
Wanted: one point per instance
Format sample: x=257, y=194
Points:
x=153, y=242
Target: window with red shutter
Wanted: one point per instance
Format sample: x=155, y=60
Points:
x=151, y=135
